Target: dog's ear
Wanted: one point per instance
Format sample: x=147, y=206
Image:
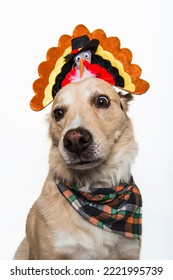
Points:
x=125, y=99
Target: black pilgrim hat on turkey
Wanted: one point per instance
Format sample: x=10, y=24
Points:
x=81, y=44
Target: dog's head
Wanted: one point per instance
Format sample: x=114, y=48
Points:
x=89, y=125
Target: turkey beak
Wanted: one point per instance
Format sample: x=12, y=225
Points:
x=81, y=67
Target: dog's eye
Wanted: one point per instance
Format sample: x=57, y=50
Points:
x=102, y=101
x=58, y=114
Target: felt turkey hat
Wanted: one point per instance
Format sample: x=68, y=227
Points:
x=59, y=60
x=81, y=44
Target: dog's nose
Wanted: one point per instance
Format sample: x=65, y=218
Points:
x=77, y=140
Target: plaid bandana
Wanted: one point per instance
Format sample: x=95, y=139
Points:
x=116, y=209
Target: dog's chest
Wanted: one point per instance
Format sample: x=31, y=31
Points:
x=86, y=243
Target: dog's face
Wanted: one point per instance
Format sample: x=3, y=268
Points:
x=87, y=121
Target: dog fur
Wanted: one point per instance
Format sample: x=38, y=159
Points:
x=54, y=229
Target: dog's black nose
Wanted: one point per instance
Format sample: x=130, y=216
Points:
x=77, y=140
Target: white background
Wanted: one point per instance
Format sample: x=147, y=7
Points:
x=27, y=30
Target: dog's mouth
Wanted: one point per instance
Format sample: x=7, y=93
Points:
x=84, y=164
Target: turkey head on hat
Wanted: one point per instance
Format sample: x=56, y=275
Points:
x=85, y=63
x=82, y=50
x=86, y=54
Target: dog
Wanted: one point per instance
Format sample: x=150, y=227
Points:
x=92, y=145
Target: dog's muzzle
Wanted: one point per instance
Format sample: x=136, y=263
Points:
x=77, y=140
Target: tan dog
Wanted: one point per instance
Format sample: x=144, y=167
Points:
x=92, y=144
